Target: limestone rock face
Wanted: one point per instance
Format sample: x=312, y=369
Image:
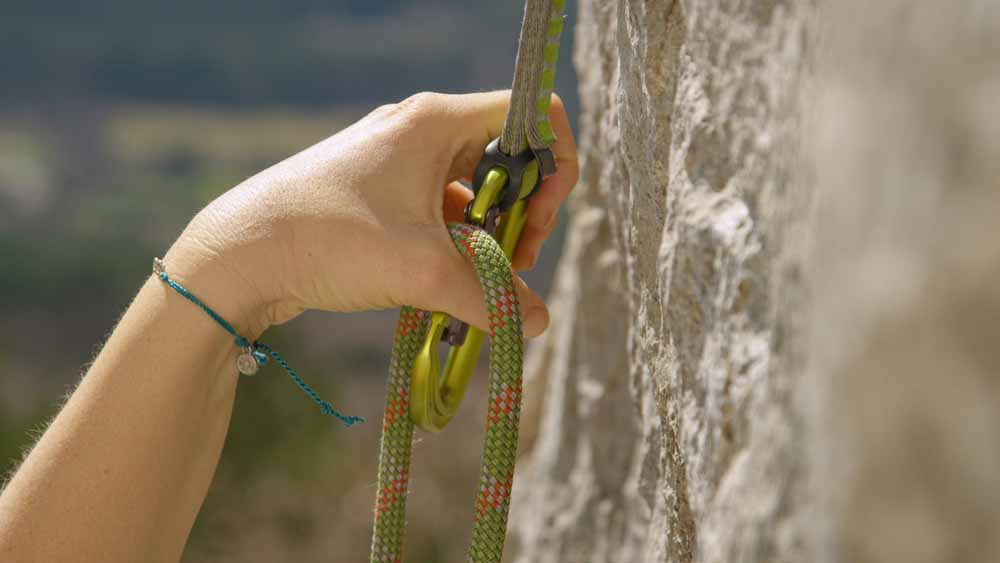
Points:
x=667, y=427
x=777, y=311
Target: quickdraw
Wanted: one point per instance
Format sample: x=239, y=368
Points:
x=418, y=392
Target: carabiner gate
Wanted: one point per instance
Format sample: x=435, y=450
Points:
x=435, y=395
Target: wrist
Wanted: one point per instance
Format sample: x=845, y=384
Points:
x=218, y=281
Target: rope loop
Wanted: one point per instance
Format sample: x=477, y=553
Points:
x=502, y=419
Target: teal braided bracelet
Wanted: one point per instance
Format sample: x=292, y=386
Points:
x=255, y=354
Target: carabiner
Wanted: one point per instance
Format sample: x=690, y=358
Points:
x=435, y=395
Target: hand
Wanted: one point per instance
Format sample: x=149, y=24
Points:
x=357, y=221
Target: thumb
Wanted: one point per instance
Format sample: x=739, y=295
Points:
x=458, y=292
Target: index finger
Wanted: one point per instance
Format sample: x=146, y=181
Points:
x=482, y=118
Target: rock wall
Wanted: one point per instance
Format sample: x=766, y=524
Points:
x=666, y=427
x=776, y=318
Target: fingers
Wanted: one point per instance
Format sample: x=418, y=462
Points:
x=530, y=244
x=534, y=312
x=476, y=119
x=543, y=208
x=456, y=197
x=463, y=298
x=459, y=125
x=535, y=315
x=482, y=117
x=447, y=282
x=480, y=120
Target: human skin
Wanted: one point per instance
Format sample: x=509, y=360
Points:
x=354, y=222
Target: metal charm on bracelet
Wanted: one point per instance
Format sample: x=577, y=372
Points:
x=246, y=363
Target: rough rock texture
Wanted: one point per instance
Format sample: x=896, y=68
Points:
x=763, y=353
x=668, y=432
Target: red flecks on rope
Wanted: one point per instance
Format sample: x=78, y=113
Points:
x=409, y=320
x=396, y=408
x=504, y=402
x=392, y=492
x=495, y=494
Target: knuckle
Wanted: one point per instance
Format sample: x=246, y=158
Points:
x=384, y=110
x=412, y=116
x=422, y=105
x=411, y=112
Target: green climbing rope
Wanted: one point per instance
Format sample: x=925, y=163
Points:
x=503, y=414
x=526, y=128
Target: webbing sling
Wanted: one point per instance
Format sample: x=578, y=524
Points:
x=503, y=188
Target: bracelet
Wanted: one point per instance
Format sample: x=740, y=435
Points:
x=254, y=354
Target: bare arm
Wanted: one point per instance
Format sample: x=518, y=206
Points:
x=122, y=471
x=354, y=222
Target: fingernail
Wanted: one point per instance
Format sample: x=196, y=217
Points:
x=536, y=321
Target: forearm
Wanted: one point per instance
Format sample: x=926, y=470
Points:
x=124, y=468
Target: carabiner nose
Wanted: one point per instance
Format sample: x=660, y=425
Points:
x=435, y=395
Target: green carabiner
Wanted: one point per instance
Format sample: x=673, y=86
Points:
x=435, y=395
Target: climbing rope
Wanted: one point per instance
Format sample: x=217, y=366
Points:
x=526, y=128
x=497, y=472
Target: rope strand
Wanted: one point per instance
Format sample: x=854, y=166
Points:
x=496, y=474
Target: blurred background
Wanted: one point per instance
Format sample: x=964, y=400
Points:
x=119, y=119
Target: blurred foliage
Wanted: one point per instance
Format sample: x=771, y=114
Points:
x=119, y=120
